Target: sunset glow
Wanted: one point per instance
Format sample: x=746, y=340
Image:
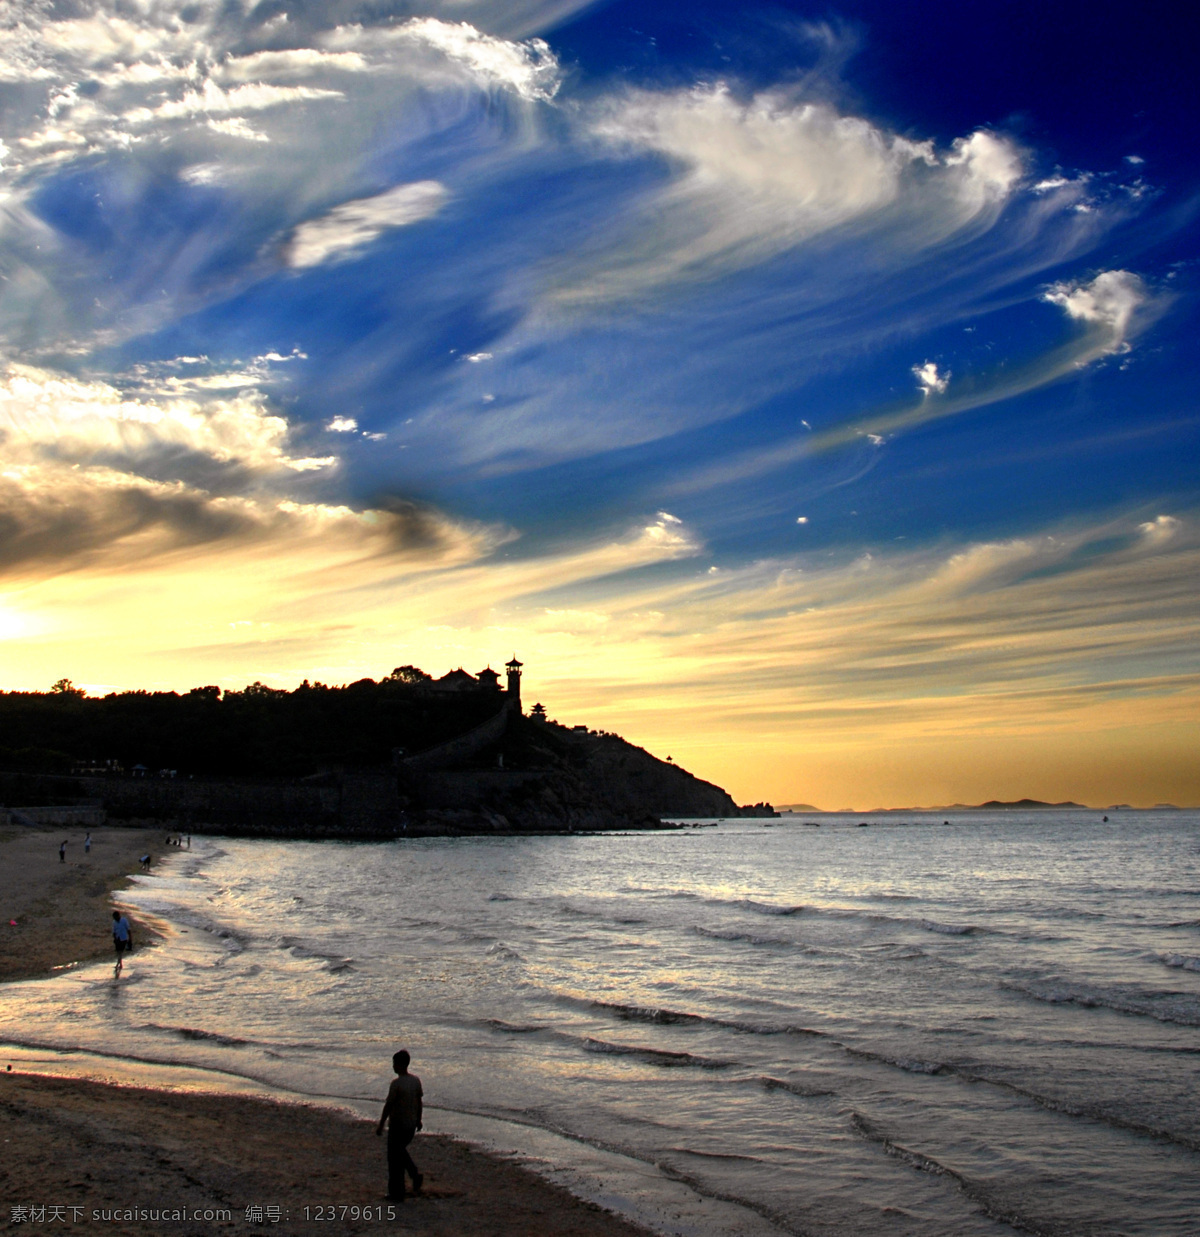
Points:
x=836, y=436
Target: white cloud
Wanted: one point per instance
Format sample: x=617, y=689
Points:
x=1160, y=530
x=802, y=519
x=1108, y=304
x=751, y=179
x=349, y=228
x=930, y=380
x=766, y=169
x=203, y=174
x=291, y=62
x=44, y=414
x=211, y=97
x=341, y=425
x=476, y=357
x=990, y=166
x=665, y=537
x=238, y=126
x=529, y=69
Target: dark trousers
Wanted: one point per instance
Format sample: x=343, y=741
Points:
x=399, y=1161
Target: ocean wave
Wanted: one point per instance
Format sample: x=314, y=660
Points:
x=640, y=1013
x=509, y=1028
x=759, y=908
x=194, y=1033
x=986, y=1199
x=671, y=1017
x=1137, y=1004
x=711, y=1155
x=334, y=963
x=653, y=1056
x=794, y=1088
x=910, y=1065
x=1180, y=961
x=1085, y=1112
x=504, y=952
x=948, y=929
x=749, y=938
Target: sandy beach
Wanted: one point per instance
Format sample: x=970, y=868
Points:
x=104, y=1150
x=98, y=1151
x=62, y=909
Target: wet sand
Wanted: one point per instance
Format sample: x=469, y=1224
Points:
x=104, y=1150
x=64, y=910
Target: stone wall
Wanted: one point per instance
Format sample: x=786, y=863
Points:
x=84, y=817
x=457, y=751
x=447, y=788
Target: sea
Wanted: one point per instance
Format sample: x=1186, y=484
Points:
x=963, y=1023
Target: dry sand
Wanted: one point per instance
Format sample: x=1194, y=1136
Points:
x=64, y=910
x=99, y=1148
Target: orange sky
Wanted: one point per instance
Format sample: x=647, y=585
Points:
x=1036, y=667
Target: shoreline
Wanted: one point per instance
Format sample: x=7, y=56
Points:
x=115, y=1148
x=63, y=910
x=205, y=1162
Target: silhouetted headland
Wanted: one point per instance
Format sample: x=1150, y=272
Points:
x=407, y=755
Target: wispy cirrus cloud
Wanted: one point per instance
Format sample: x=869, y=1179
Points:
x=635, y=325
x=529, y=68
x=1115, y=307
x=346, y=230
x=749, y=179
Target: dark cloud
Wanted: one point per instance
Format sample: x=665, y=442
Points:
x=57, y=529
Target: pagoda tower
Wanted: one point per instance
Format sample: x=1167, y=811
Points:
x=514, y=679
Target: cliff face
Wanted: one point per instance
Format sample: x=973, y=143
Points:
x=628, y=779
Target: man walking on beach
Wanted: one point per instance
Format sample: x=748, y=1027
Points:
x=121, y=939
x=403, y=1107
x=62, y=853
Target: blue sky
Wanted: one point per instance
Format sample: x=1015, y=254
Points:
x=792, y=385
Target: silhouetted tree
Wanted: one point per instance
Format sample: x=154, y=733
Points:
x=411, y=675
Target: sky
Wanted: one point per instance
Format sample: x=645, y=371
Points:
x=803, y=391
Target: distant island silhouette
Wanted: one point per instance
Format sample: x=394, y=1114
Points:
x=992, y=805
x=407, y=755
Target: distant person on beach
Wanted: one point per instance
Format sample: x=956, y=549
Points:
x=87, y=844
x=122, y=939
x=62, y=853
x=403, y=1107
x=145, y=862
